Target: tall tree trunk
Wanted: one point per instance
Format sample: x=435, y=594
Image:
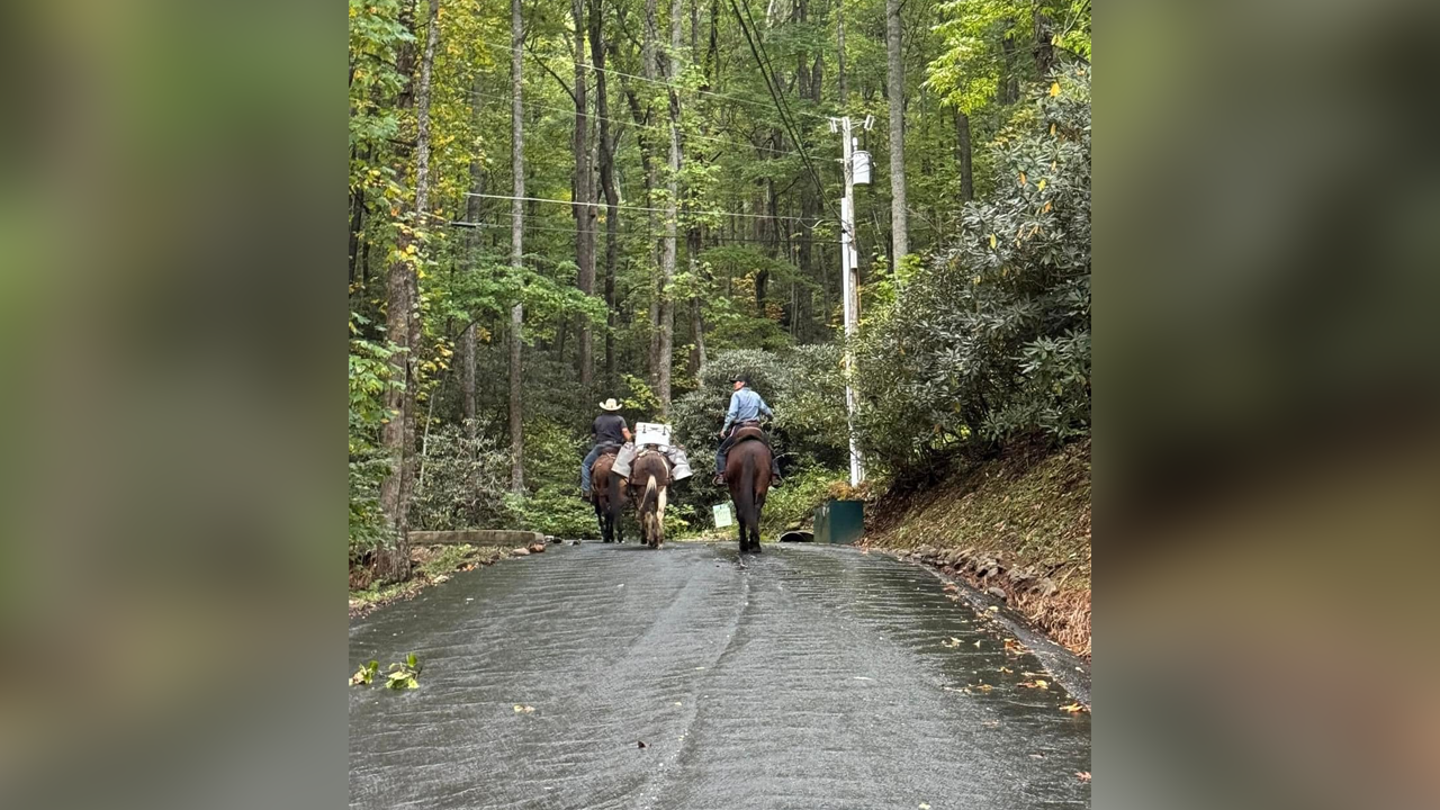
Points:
x=895, y=86
x=840, y=53
x=697, y=306
x=473, y=210
x=652, y=181
x=712, y=48
x=692, y=235
x=1044, y=50
x=607, y=181
x=665, y=354
x=517, y=242
x=584, y=191
x=1010, y=90
x=770, y=206
x=963, y=155
x=357, y=225
x=403, y=324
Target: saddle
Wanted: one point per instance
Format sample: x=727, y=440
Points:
x=608, y=450
x=746, y=432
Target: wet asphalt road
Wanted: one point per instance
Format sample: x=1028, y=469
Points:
x=813, y=677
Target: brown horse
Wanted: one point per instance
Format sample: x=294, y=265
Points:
x=609, y=498
x=747, y=473
x=649, y=478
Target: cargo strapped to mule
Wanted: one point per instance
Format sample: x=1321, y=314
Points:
x=679, y=464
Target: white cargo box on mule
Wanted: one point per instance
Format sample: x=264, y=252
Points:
x=652, y=433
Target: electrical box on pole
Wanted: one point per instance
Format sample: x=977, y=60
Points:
x=861, y=168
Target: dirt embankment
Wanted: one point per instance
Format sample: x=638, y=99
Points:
x=1017, y=527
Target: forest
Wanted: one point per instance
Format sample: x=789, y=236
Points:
x=551, y=204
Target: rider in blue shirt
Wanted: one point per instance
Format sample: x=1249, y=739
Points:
x=746, y=405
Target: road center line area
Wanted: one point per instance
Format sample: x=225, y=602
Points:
x=599, y=676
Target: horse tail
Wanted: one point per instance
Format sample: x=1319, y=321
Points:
x=651, y=498
x=745, y=498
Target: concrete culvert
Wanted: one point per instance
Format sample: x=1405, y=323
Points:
x=797, y=536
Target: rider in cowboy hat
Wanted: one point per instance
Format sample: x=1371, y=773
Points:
x=746, y=405
x=609, y=430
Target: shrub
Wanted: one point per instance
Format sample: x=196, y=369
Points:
x=462, y=482
x=990, y=341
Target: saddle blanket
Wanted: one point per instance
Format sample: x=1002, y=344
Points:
x=679, y=464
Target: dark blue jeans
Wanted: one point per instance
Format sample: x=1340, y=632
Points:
x=589, y=464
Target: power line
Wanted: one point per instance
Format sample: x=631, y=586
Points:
x=612, y=71
x=629, y=233
x=638, y=207
x=657, y=127
x=772, y=83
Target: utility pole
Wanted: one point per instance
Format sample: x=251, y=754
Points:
x=852, y=161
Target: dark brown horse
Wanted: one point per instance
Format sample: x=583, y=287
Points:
x=609, y=499
x=747, y=473
x=650, y=478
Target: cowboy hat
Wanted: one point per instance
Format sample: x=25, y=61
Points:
x=610, y=405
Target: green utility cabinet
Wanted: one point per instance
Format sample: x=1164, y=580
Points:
x=839, y=522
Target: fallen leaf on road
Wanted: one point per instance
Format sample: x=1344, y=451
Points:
x=1013, y=646
x=1036, y=684
x=977, y=644
x=1009, y=671
x=952, y=643
x=1084, y=775
x=1074, y=708
x=951, y=587
x=1037, y=756
x=993, y=609
x=523, y=709
x=924, y=806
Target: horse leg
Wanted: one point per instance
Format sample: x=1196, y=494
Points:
x=755, y=527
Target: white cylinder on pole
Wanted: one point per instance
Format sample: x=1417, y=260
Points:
x=862, y=168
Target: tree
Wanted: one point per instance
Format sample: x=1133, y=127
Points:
x=664, y=355
x=403, y=325
x=895, y=89
x=607, y=180
x=584, y=190
x=517, y=242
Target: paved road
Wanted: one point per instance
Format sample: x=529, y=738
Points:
x=812, y=677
